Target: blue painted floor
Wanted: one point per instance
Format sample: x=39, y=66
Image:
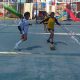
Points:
x=36, y=61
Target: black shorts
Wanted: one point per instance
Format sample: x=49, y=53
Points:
x=50, y=29
x=45, y=23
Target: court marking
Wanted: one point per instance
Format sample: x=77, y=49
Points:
x=37, y=33
x=8, y=25
x=15, y=52
x=73, y=37
x=38, y=55
x=55, y=33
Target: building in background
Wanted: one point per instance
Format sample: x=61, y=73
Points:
x=36, y=6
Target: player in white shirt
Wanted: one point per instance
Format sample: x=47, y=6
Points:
x=23, y=25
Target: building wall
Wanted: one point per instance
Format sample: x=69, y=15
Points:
x=78, y=6
x=49, y=5
x=28, y=7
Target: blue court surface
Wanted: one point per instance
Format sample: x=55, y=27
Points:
x=35, y=60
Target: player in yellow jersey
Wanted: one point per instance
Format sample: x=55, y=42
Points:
x=51, y=22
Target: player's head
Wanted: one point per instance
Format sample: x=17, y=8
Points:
x=26, y=15
x=52, y=14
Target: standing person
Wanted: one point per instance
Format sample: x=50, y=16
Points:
x=45, y=23
x=23, y=25
x=51, y=22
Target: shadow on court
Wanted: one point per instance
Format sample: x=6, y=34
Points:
x=31, y=48
x=59, y=42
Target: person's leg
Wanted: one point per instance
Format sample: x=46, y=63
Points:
x=23, y=38
x=50, y=39
x=45, y=27
x=18, y=43
x=49, y=36
x=52, y=36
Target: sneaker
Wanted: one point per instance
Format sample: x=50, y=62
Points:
x=52, y=42
x=52, y=47
x=48, y=41
x=16, y=47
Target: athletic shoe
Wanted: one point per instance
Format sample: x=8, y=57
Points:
x=16, y=47
x=48, y=41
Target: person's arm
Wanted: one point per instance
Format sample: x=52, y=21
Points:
x=57, y=22
x=44, y=20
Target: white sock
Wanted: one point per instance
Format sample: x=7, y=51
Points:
x=18, y=43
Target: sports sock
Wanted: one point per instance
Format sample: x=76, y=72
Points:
x=18, y=43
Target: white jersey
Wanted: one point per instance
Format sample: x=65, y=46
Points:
x=24, y=24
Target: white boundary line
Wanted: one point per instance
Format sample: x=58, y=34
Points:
x=8, y=25
x=73, y=36
x=13, y=53
x=37, y=33
x=55, y=33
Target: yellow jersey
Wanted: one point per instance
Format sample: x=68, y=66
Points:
x=51, y=23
